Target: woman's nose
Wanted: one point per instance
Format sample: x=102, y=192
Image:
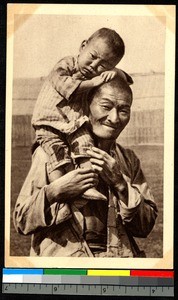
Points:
x=113, y=116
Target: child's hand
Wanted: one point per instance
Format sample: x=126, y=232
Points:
x=98, y=80
x=78, y=75
x=108, y=75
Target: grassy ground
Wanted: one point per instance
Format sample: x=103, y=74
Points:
x=152, y=164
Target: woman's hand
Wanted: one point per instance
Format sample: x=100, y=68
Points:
x=109, y=170
x=105, y=165
x=71, y=185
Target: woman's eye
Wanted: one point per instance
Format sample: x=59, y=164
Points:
x=124, y=112
x=106, y=107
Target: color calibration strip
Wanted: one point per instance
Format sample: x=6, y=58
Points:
x=84, y=276
x=89, y=282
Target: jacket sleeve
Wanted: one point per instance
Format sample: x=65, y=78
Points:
x=140, y=214
x=64, y=79
x=33, y=210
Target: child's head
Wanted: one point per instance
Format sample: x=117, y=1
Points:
x=101, y=52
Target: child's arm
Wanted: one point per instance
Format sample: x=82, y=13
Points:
x=89, y=84
x=62, y=78
x=109, y=75
x=67, y=83
x=103, y=77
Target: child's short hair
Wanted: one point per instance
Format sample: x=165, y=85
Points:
x=112, y=38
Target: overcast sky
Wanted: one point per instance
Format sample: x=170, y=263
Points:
x=43, y=39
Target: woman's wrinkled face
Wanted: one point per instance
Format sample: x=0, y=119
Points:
x=110, y=111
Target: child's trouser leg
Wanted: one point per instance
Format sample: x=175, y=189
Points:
x=55, y=145
x=80, y=141
x=58, y=162
x=59, y=159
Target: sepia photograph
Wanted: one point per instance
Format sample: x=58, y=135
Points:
x=90, y=136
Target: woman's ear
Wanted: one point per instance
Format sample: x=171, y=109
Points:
x=83, y=45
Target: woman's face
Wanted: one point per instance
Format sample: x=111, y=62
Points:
x=110, y=111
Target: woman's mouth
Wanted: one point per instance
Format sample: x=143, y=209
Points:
x=113, y=126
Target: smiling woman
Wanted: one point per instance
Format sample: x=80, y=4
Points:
x=110, y=109
x=51, y=211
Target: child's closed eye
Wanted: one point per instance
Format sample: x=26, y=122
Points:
x=93, y=56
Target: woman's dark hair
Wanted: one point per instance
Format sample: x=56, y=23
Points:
x=117, y=82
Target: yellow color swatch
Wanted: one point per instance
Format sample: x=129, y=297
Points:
x=108, y=273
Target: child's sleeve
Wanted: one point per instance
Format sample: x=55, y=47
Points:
x=64, y=79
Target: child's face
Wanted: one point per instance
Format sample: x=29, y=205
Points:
x=96, y=57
